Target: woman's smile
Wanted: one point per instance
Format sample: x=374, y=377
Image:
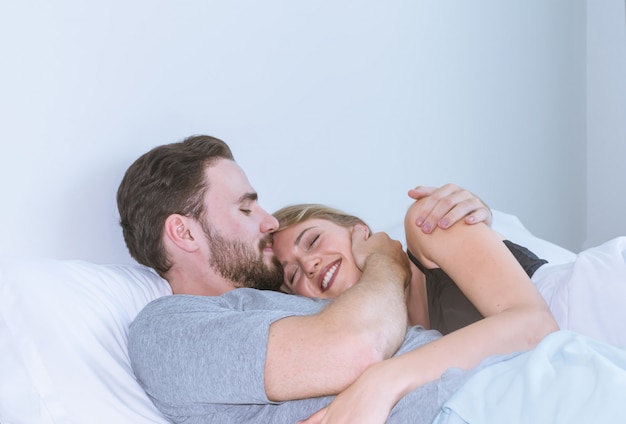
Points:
x=328, y=276
x=317, y=258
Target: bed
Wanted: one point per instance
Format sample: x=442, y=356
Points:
x=63, y=332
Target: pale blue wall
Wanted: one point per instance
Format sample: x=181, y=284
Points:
x=348, y=103
x=606, y=121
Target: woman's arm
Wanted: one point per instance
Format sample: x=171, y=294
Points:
x=516, y=315
x=516, y=319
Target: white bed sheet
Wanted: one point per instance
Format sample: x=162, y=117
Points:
x=567, y=379
x=63, y=329
x=588, y=294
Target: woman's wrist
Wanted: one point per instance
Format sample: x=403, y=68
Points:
x=390, y=380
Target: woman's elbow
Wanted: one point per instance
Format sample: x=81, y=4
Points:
x=541, y=325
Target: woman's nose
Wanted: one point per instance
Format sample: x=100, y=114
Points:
x=311, y=264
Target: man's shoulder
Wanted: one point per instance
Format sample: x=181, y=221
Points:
x=244, y=299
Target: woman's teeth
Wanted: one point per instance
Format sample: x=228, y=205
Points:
x=329, y=276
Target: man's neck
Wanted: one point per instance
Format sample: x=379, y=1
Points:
x=205, y=283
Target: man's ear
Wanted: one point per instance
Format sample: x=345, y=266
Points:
x=180, y=230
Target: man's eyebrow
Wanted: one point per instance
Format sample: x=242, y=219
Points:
x=247, y=197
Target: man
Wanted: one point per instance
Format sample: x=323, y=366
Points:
x=224, y=355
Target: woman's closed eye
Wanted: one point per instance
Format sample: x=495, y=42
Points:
x=313, y=240
x=292, y=277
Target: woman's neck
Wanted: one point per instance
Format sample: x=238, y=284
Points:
x=417, y=299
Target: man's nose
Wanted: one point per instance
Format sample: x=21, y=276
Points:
x=269, y=224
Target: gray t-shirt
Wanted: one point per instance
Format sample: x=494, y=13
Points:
x=201, y=359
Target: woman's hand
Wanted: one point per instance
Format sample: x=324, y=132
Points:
x=368, y=400
x=448, y=204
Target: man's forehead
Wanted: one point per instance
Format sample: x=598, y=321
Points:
x=226, y=176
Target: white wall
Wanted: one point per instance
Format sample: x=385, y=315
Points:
x=348, y=103
x=606, y=121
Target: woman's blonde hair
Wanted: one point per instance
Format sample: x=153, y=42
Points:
x=295, y=214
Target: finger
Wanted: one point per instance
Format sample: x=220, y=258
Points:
x=447, y=210
x=481, y=215
x=445, y=191
x=471, y=210
x=454, y=208
x=436, y=192
x=427, y=212
x=424, y=208
x=421, y=191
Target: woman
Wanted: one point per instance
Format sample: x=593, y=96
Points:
x=314, y=246
x=585, y=295
x=433, y=299
x=452, y=271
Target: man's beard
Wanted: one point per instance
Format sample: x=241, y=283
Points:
x=242, y=264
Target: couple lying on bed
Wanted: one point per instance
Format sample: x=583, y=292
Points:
x=215, y=354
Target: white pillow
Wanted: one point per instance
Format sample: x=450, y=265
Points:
x=512, y=228
x=63, y=333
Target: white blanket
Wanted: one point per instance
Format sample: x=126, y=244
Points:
x=588, y=295
x=568, y=378
x=572, y=376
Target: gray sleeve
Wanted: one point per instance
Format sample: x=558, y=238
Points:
x=202, y=360
x=193, y=350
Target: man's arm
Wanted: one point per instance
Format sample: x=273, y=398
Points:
x=322, y=354
x=448, y=204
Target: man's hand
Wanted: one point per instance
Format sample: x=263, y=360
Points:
x=365, y=245
x=446, y=205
